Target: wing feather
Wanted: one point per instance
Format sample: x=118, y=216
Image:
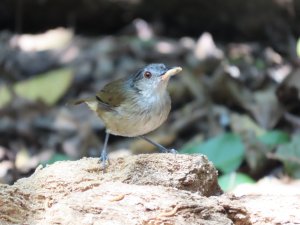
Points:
x=112, y=95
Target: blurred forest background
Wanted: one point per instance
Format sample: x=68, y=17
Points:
x=237, y=99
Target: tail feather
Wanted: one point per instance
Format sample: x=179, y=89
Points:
x=91, y=102
x=76, y=101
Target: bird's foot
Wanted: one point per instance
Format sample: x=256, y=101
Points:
x=172, y=150
x=103, y=159
x=168, y=150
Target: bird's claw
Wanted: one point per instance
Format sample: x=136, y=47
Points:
x=103, y=159
x=169, y=150
x=172, y=150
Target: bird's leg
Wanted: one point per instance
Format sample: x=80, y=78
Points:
x=104, y=156
x=160, y=147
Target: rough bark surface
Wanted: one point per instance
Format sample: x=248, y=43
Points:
x=145, y=189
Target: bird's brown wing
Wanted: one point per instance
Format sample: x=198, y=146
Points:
x=112, y=95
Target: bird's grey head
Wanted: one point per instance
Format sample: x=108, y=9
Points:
x=153, y=78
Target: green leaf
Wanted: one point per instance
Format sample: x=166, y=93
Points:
x=260, y=64
x=298, y=47
x=244, y=123
x=289, y=154
x=196, y=141
x=274, y=137
x=48, y=87
x=226, y=151
x=5, y=96
x=56, y=157
x=229, y=181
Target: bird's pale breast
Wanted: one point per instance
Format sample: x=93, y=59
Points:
x=140, y=117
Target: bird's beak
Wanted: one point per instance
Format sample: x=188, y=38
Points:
x=171, y=72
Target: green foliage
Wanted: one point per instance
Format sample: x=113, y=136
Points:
x=196, y=141
x=260, y=64
x=48, y=87
x=229, y=181
x=289, y=154
x=56, y=157
x=274, y=137
x=226, y=151
x=5, y=96
x=298, y=47
x=241, y=124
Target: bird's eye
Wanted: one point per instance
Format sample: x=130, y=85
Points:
x=147, y=75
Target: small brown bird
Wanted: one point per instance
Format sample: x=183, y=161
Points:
x=134, y=106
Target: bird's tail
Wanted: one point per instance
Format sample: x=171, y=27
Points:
x=91, y=102
x=76, y=101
